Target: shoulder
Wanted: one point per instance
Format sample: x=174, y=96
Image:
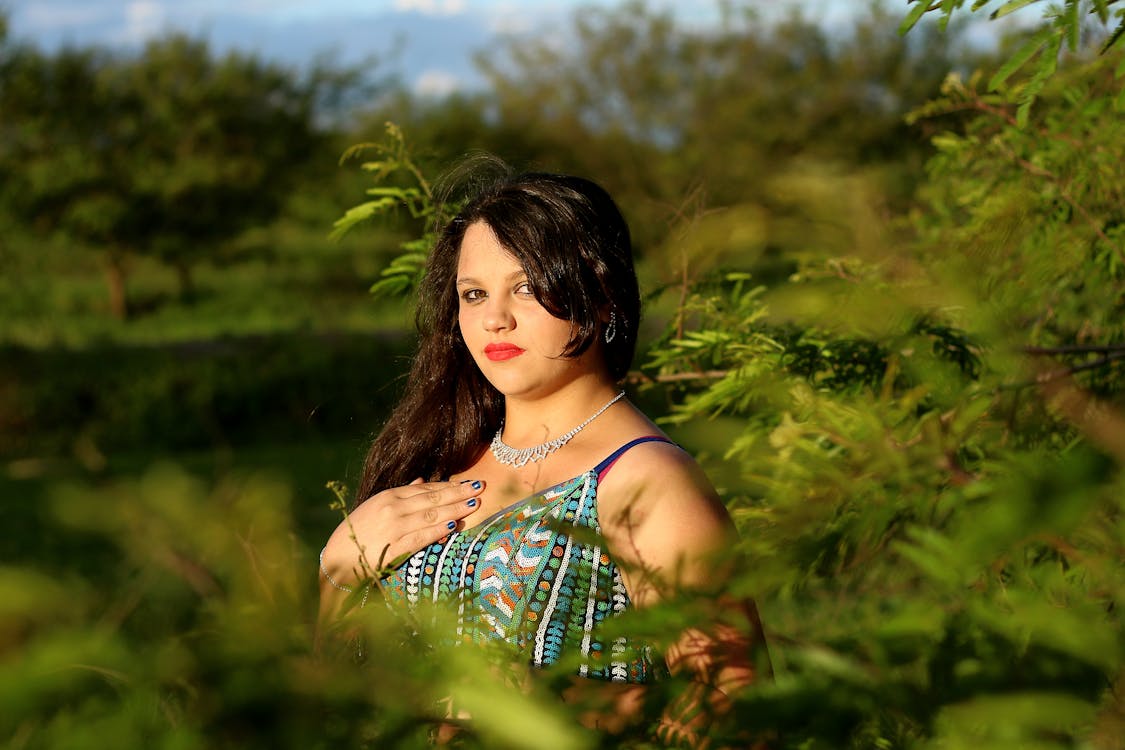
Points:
x=652, y=465
x=656, y=505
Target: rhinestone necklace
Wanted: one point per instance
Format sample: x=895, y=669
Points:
x=517, y=457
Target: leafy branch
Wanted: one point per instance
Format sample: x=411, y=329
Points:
x=1063, y=25
x=1110, y=353
x=395, y=160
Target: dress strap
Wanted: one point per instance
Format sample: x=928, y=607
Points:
x=603, y=468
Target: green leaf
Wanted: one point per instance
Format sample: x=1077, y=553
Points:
x=401, y=276
x=824, y=661
x=1101, y=7
x=358, y=214
x=912, y=17
x=933, y=554
x=394, y=192
x=1022, y=55
x=508, y=718
x=1080, y=630
x=1012, y=719
x=355, y=150
x=1072, y=24
x=1010, y=7
x=947, y=8
x=1048, y=64
x=1114, y=38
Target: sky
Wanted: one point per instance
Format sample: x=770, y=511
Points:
x=429, y=44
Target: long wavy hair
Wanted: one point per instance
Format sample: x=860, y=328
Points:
x=574, y=246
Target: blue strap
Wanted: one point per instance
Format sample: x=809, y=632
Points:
x=603, y=467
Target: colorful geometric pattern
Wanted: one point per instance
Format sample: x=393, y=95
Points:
x=533, y=576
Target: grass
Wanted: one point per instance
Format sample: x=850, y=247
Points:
x=28, y=488
x=285, y=281
x=288, y=277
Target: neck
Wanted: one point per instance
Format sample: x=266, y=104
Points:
x=530, y=421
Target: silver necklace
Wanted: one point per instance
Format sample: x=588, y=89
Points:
x=517, y=457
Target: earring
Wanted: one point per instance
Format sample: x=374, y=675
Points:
x=611, y=329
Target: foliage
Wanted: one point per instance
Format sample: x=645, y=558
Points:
x=919, y=425
x=677, y=119
x=405, y=270
x=192, y=394
x=927, y=546
x=219, y=571
x=931, y=526
x=1065, y=24
x=169, y=154
x=1055, y=280
x=932, y=521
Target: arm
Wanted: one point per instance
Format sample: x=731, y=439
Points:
x=670, y=531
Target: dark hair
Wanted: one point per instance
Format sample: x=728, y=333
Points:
x=574, y=245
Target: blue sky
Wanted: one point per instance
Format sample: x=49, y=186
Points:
x=429, y=43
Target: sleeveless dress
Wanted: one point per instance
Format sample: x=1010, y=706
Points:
x=535, y=576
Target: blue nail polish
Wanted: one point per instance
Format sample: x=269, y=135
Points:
x=451, y=525
x=472, y=502
x=476, y=485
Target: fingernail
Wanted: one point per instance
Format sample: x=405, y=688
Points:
x=472, y=502
x=451, y=525
x=476, y=485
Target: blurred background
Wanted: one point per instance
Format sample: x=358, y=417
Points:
x=172, y=173
x=884, y=291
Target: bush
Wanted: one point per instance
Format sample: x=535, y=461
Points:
x=177, y=396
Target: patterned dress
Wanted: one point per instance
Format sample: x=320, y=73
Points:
x=537, y=577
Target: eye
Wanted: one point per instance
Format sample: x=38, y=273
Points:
x=524, y=288
x=472, y=295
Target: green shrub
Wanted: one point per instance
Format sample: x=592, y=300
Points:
x=189, y=395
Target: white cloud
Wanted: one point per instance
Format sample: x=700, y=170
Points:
x=436, y=83
x=431, y=7
x=62, y=16
x=143, y=19
x=507, y=18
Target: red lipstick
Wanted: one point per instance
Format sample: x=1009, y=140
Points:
x=501, y=352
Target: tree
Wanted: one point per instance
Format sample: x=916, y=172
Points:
x=742, y=145
x=931, y=509
x=167, y=154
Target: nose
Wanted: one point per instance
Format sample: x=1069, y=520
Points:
x=497, y=315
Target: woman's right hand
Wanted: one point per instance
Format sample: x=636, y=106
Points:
x=396, y=522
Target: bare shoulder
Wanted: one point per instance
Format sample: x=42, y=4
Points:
x=657, y=494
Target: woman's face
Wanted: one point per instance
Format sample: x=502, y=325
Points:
x=515, y=342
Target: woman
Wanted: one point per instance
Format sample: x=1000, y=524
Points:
x=514, y=430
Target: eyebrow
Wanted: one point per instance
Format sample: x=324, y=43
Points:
x=468, y=280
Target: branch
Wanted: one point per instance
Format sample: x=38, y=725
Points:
x=1100, y=422
x=1064, y=193
x=1072, y=349
x=636, y=376
x=982, y=106
x=1047, y=377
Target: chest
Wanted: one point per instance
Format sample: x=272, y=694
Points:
x=506, y=486
x=541, y=547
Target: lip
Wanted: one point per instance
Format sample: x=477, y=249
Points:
x=501, y=352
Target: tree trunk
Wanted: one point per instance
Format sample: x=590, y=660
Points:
x=186, y=281
x=115, y=279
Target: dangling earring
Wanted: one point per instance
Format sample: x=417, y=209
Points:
x=611, y=329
